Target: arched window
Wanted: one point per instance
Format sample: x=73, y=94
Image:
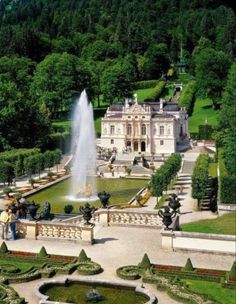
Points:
x=112, y=130
x=162, y=130
x=129, y=129
x=143, y=129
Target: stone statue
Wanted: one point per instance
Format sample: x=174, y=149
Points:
x=46, y=213
x=32, y=210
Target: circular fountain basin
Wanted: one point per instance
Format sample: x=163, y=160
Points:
x=143, y=296
x=73, y=198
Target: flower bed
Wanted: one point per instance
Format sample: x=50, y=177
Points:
x=211, y=272
x=128, y=272
x=167, y=267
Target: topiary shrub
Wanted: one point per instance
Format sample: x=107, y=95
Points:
x=128, y=272
x=232, y=272
x=83, y=256
x=68, y=209
x=188, y=266
x=145, y=263
x=3, y=248
x=42, y=253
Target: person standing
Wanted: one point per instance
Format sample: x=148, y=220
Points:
x=4, y=220
x=12, y=222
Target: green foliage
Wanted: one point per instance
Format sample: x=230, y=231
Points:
x=61, y=141
x=188, y=266
x=3, y=248
x=156, y=93
x=145, y=84
x=227, y=182
x=68, y=209
x=187, y=96
x=232, y=272
x=7, y=190
x=200, y=176
x=42, y=253
x=161, y=179
x=6, y=172
x=145, y=263
x=128, y=272
x=205, y=131
x=83, y=256
x=211, y=72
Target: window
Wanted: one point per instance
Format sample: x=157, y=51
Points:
x=112, y=141
x=162, y=130
x=143, y=117
x=112, y=130
x=129, y=129
x=143, y=129
x=161, y=142
x=136, y=117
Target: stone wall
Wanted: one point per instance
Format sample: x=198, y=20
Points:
x=193, y=241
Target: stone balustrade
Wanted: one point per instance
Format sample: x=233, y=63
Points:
x=112, y=217
x=52, y=230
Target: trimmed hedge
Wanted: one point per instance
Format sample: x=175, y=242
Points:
x=227, y=183
x=161, y=179
x=157, y=91
x=61, y=141
x=128, y=272
x=145, y=84
x=200, y=177
x=187, y=97
x=205, y=131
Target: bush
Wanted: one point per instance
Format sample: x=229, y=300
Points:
x=232, y=272
x=200, y=177
x=61, y=141
x=159, y=88
x=68, y=209
x=227, y=183
x=3, y=248
x=42, y=253
x=7, y=190
x=161, y=179
x=83, y=256
x=89, y=268
x=187, y=97
x=128, y=272
x=205, y=131
x=188, y=266
x=145, y=263
x=145, y=84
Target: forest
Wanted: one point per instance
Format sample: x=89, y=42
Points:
x=51, y=50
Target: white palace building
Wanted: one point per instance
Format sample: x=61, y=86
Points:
x=151, y=127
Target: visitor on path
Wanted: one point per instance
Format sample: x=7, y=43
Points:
x=12, y=222
x=4, y=220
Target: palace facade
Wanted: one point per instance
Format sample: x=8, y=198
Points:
x=151, y=127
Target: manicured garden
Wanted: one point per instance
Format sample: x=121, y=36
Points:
x=121, y=190
x=202, y=113
x=212, y=290
x=225, y=224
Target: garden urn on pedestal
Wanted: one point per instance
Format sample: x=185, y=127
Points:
x=104, y=198
x=87, y=212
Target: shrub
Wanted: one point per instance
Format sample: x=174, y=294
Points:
x=68, y=209
x=232, y=272
x=200, y=177
x=7, y=190
x=42, y=253
x=145, y=84
x=31, y=181
x=128, y=272
x=145, y=263
x=157, y=91
x=188, y=266
x=83, y=256
x=205, y=131
x=3, y=248
x=161, y=179
x=187, y=97
x=89, y=268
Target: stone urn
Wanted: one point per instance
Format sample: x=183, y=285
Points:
x=104, y=198
x=166, y=216
x=87, y=212
x=174, y=203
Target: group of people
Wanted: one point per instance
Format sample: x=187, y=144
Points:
x=8, y=220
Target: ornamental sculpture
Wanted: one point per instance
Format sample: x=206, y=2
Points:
x=166, y=216
x=87, y=212
x=104, y=198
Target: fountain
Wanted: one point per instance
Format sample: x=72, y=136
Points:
x=83, y=148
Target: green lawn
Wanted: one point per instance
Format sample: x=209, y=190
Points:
x=64, y=123
x=202, y=112
x=225, y=224
x=144, y=93
x=213, y=290
x=21, y=265
x=121, y=190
